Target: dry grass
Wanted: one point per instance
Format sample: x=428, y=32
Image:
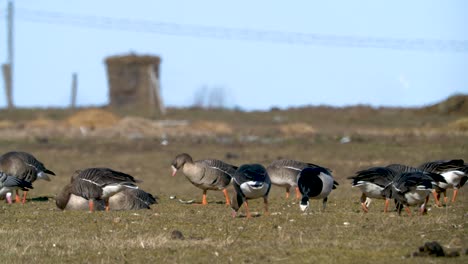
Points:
x=41, y=233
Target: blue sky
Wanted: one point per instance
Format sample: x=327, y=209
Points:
x=253, y=75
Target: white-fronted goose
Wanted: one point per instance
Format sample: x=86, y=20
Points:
x=24, y=166
x=128, y=199
x=208, y=174
x=9, y=183
x=250, y=181
x=100, y=184
x=412, y=188
x=284, y=173
x=372, y=182
x=455, y=173
x=315, y=183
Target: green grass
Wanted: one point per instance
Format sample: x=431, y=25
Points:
x=38, y=232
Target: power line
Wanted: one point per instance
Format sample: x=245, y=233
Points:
x=226, y=33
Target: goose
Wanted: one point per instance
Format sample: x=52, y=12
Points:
x=284, y=173
x=372, y=182
x=455, y=173
x=95, y=184
x=24, y=166
x=315, y=183
x=9, y=183
x=251, y=181
x=412, y=188
x=128, y=199
x=207, y=174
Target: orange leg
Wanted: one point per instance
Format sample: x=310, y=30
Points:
x=17, y=197
x=298, y=193
x=436, y=198
x=204, y=201
x=91, y=205
x=107, y=205
x=226, y=195
x=363, y=203
x=364, y=208
x=265, y=202
x=387, y=202
x=408, y=210
x=247, y=211
x=25, y=193
x=287, y=193
x=455, y=192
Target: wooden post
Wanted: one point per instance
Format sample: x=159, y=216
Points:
x=74, y=90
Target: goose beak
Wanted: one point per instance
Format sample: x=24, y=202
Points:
x=174, y=170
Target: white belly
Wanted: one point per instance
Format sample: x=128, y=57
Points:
x=79, y=203
x=370, y=189
x=453, y=179
x=253, y=189
x=417, y=197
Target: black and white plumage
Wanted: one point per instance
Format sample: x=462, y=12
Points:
x=128, y=199
x=372, y=182
x=24, y=166
x=251, y=181
x=284, y=173
x=9, y=183
x=412, y=188
x=455, y=173
x=207, y=174
x=100, y=184
x=315, y=183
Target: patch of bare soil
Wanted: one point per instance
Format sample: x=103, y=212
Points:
x=296, y=129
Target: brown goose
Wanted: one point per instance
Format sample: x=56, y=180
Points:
x=23, y=166
x=284, y=173
x=128, y=199
x=208, y=174
x=96, y=184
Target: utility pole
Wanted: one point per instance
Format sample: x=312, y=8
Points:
x=7, y=68
x=74, y=90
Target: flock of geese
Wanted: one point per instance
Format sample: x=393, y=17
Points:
x=106, y=189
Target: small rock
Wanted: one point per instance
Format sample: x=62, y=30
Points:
x=117, y=220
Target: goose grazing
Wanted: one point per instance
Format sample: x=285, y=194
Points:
x=412, y=188
x=455, y=173
x=372, y=182
x=284, y=173
x=96, y=184
x=9, y=183
x=24, y=166
x=128, y=199
x=208, y=174
x=251, y=181
x=315, y=183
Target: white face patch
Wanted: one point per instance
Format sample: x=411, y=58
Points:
x=304, y=207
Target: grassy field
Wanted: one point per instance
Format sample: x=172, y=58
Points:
x=39, y=232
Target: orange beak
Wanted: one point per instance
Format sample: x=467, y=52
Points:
x=174, y=170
